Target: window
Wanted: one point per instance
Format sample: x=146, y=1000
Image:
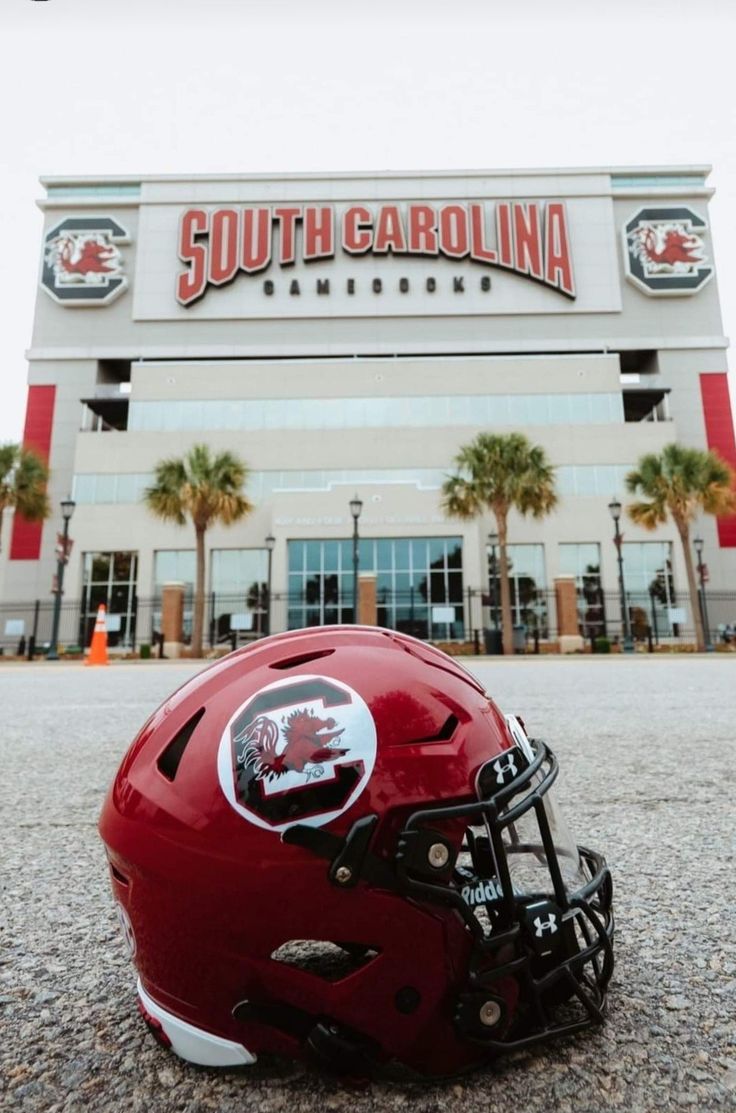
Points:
x=109, y=579
x=650, y=588
x=644, y=562
x=415, y=577
x=589, y=480
x=109, y=189
x=527, y=579
x=658, y=181
x=376, y=413
x=238, y=585
x=174, y=566
x=583, y=561
x=110, y=487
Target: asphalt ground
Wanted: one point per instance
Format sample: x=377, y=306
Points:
x=646, y=747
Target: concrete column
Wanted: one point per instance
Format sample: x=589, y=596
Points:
x=172, y=618
x=367, y=608
x=567, y=615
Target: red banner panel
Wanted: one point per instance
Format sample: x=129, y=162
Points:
x=25, y=540
x=720, y=437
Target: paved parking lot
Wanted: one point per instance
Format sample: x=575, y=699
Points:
x=647, y=754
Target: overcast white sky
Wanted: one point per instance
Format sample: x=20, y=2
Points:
x=179, y=86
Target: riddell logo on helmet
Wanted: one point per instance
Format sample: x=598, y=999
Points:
x=481, y=893
x=299, y=751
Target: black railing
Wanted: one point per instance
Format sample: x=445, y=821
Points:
x=654, y=621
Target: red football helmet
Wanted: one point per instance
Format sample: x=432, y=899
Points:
x=332, y=843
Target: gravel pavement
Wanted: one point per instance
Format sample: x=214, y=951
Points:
x=646, y=751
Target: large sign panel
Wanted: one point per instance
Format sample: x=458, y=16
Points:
x=376, y=258
x=219, y=245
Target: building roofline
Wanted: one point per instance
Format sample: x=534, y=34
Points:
x=253, y=353
x=131, y=179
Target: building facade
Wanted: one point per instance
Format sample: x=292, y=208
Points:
x=347, y=334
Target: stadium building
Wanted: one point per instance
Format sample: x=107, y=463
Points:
x=344, y=334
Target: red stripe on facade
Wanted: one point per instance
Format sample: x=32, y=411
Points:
x=720, y=437
x=25, y=540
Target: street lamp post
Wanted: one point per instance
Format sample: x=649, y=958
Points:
x=615, y=508
x=356, y=506
x=655, y=628
x=270, y=543
x=67, y=509
x=493, y=541
x=698, y=546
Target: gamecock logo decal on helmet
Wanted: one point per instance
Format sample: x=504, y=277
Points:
x=286, y=758
x=664, y=251
x=304, y=745
x=82, y=262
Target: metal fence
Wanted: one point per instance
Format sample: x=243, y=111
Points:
x=653, y=620
x=25, y=626
x=474, y=620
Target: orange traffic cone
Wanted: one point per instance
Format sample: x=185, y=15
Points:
x=98, y=648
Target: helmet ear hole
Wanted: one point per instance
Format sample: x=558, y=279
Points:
x=330, y=961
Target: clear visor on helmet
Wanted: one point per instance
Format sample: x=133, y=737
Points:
x=522, y=837
x=525, y=853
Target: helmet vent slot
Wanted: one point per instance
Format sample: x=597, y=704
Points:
x=301, y=659
x=330, y=961
x=444, y=734
x=169, y=759
x=458, y=670
x=118, y=876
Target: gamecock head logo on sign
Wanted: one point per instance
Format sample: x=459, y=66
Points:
x=82, y=263
x=298, y=751
x=664, y=251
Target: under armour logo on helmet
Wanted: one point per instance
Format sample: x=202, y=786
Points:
x=505, y=771
x=545, y=927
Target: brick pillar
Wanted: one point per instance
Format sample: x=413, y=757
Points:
x=567, y=615
x=172, y=618
x=367, y=609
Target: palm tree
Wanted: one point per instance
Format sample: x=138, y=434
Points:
x=499, y=472
x=207, y=489
x=23, y=478
x=681, y=483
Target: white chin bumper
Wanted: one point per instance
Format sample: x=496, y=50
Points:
x=194, y=1044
